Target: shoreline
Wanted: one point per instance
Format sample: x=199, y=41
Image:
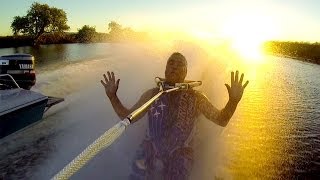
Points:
x=296, y=58
x=67, y=38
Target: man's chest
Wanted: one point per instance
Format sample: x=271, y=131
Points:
x=175, y=107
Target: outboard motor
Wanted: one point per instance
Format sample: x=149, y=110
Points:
x=20, y=67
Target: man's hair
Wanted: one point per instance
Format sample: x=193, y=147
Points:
x=177, y=55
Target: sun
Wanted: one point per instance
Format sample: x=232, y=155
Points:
x=247, y=32
x=248, y=49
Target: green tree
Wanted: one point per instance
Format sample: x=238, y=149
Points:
x=86, y=34
x=20, y=25
x=115, y=30
x=40, y=18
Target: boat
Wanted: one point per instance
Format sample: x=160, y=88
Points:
x=20, y=107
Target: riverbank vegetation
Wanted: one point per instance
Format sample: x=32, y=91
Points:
x=305, y=51
x=86, y=34
x=48, y=25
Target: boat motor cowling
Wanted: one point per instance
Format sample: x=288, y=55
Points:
x=20, y=67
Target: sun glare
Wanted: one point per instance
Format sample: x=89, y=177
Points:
x=247, y=33
x=248, y=49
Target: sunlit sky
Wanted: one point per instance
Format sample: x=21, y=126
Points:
x=295, y=20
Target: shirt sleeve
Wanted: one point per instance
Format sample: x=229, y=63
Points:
x=206, y=108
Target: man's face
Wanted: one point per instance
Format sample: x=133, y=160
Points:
x=176, y=70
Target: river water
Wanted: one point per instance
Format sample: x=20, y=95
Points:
x=274, y=133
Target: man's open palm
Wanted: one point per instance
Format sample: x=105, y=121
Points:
x=110, y=84
x=236, y=89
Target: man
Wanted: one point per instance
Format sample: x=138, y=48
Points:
x=167, y=152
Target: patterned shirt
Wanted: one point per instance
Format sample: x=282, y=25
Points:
x=173, y=116
x=168, y=144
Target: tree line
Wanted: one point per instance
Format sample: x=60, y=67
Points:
x=47, y=25
x=304, y=51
